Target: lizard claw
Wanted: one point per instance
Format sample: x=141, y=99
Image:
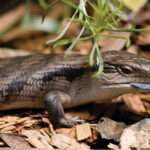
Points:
x=69, y=122
x=77, y=120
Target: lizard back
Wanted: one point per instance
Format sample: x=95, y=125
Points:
x=26, y=79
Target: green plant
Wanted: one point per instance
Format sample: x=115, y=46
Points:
x=93, y=24
x=105, y=16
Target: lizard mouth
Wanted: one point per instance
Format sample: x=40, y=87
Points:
x=141, y=86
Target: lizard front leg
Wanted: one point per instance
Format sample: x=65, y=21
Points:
x=53, y=103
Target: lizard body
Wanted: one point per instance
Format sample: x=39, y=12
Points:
x=53, y=82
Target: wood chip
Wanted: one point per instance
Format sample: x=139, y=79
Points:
x=7, y=125
x=15, y=141
x=134, y=103
x=133, y=49
x=9, y=118
x=71, y=132
x=51, y=129
x=37, y=139
x=9, y=53
x=113, y=146
x=7, y=148
x=145, y=96
x=64, y=142
x=2, y=143
x=83, y=131
x=147, y=106
x=29, y=123
x=11, y=17
x=7, y=129
x=22, y=120
x=144, y=37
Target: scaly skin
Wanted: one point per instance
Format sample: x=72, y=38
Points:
x=54, y=82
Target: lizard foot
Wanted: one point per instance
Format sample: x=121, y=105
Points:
x=69, y=122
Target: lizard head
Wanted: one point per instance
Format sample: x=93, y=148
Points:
x=126, y=70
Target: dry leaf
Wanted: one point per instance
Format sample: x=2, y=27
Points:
x=83, y=47
x=134, y=5
x=108, y=42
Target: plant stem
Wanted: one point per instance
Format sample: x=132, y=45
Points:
x=128, y=30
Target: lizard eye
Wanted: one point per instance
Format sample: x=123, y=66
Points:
x=125, y=70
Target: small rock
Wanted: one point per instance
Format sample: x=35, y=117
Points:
x=110, y=129
x=136, y=136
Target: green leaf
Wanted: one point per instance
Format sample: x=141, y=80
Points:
x=69, y=3
x=43, y=4
x=62, y=42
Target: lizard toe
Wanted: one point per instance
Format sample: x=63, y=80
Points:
x=69, y=122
